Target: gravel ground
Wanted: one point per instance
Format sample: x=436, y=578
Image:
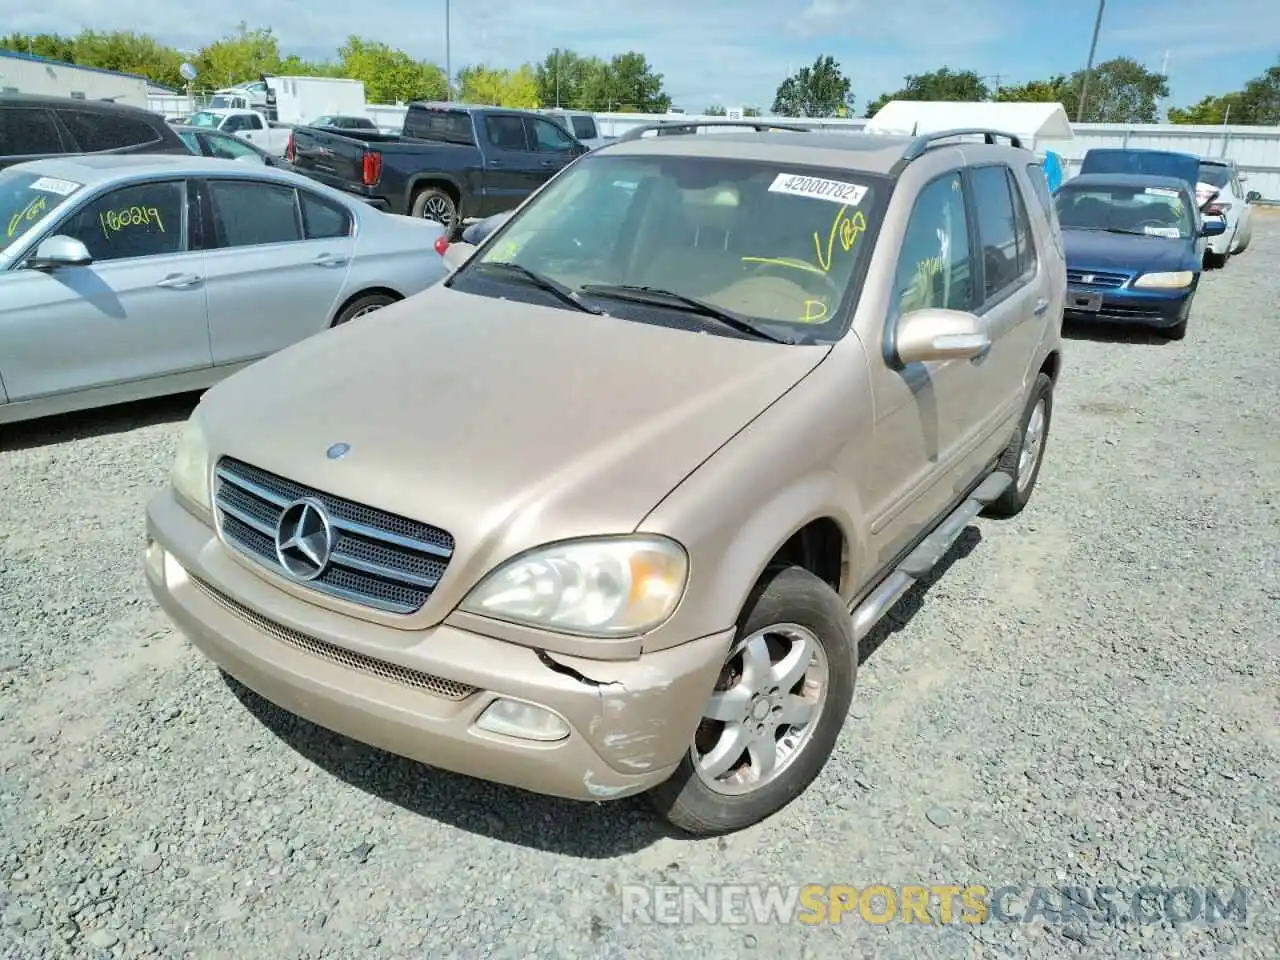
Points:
x=1087, y=695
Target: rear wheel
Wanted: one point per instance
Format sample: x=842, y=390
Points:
x=1022, y=458
x=362, y=305
x=773, y=718
x=435, y=204
x=1215, y=261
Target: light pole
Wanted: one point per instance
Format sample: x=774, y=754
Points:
x=448, y=53
x=1088, y=70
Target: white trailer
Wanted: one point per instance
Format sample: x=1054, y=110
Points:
x=300, y=100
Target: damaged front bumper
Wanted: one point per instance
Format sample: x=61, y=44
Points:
x=618, y=727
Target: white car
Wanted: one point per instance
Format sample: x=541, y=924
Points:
x=1229, y=204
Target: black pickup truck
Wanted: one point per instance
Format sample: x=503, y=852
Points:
x=450, y=163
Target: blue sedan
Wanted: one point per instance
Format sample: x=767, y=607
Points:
x=1135, y=246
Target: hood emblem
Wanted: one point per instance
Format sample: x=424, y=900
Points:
x=1087, y=278
x=304, y=539
x=338, y=451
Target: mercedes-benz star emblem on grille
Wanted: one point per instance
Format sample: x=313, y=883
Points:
x=338, y=451
x=304, y=539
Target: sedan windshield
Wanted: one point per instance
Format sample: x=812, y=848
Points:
x=782, y=247
x=1143, y=211
x=26, y=200
x=205, y=119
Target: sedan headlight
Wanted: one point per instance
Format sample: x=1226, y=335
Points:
x=599, y=587
x=1165, y=281
x=190, y=474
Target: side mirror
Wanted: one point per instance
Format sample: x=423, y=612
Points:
x=1253, y=196
x=1213, y=228
x=936, y=334
x=59, y=251
x=458, y=254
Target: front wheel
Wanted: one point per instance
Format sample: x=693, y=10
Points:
x=776, y=710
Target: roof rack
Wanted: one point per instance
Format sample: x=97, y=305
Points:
x=922, y=143
x=690, y=125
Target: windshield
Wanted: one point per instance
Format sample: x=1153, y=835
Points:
x=1144, y=211
x=1216, y=174
x=782, y=244
x=205, y=119
x=26, y=200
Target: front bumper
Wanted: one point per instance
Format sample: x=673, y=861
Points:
x=419, y=694
x=1156, y=308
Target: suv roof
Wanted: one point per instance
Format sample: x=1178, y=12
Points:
x=48, y=100
x=885, y=154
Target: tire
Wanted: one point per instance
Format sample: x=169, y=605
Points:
x=791, y=607
x=1177, y=332
x=1215, y=261
x=362, y=305
x=1010, y=503
x=435, y=204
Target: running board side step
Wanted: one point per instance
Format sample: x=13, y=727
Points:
x=926, y=555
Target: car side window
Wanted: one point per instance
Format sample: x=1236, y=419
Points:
x=248, y=213
x=997, y=234
x=253, y=122
x=322, y=219
x=1022, y=230
x=28, y=132
x=234, y=124
x=506, y=132
x=228, y=148
x=584, y=128
x=933, y=265
x=141, y=220
x=101, y=131
x=548, y=137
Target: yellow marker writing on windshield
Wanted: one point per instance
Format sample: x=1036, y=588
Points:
x=815, y=311
x=846, y=228
x=27, y=214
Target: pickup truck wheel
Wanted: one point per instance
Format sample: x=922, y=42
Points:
x=1022, y=459
x=434, y=204
x=776, y=710
x=362, y=305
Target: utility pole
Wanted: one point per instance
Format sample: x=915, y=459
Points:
x=557, y=78
x=1164, y=72
x=1088, y=70
x=448, y=53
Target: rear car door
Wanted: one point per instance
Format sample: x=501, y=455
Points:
x=512, y=169
x=276, y=263
x=137, y=312
x=1012, y=297
x=555, y=148
x=96, y=132
x=30, y=132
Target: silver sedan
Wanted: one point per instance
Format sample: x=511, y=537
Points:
x=124, y=277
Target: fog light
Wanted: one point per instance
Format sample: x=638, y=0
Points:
x=513, y=718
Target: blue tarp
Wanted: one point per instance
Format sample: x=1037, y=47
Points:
x=1053, y=170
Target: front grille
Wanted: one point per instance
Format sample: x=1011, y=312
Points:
x=1103, y=281
x=379, y=559
x=437, y=686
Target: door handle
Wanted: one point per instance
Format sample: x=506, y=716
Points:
x=329, y=260
x=179, y=281
x=1042, y=305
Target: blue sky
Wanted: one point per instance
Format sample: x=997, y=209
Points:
x=737, y=51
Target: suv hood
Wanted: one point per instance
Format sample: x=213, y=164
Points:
x=505, y=423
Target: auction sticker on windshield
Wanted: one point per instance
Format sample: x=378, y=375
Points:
x=1161, y=192
x=1171, y=232
x=837, y=191
x=63, y=188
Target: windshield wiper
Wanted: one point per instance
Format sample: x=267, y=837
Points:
x=543, y=282
x=656, y=295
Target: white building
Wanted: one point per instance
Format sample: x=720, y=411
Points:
x=25, y=73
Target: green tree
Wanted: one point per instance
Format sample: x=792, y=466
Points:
x=239, y=57
x=1053, y=90
x=942, y=84
x=500, y=88
x=1257, y=104
x=751, y=111
x=1121, y=90
x=1210, y=110
x=563, y=78
x=129, y=52
x=821, y=90
x=51, y=46
x=390, y=75
x=627, y=84
x=715, y=110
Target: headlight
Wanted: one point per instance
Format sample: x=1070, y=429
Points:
x=600, y=587
x=1165, y=281
x=190, y=474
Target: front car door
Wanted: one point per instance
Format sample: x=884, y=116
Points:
x=1014, y=295
x=512, y=170
x=137, y=312
x=277, y=263
x=555, y=148
x=924, y=411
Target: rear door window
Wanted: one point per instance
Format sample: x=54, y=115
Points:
x=322, y=219
x=1026, y=258
x=584, y=128
x=28, y=132
x=104, y=131
x=248, y=213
